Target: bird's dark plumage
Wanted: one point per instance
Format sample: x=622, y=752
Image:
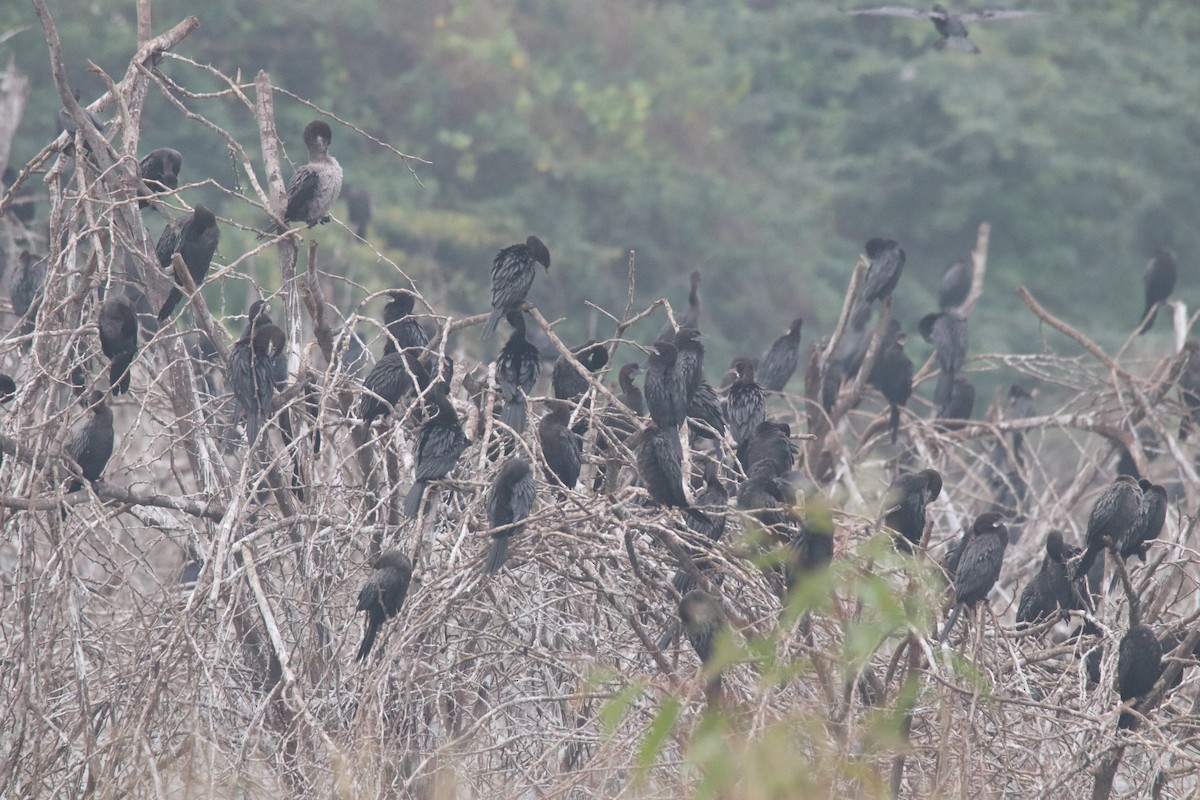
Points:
x=689, y=358
x=383, y=595
x=159, y=172
x=961, y=405
x=1152, y=515
x=1050, y=591
x=665, y=389
x=979, y=565
x=892, y=375
x=195, y=237
x=762, y=497
x=360, y=204
x=955, y=285
x=402, y=327
x=771, y=445
x=905, y=503
x=1112, y=517
x=746, y=404
x=315, y=186
x=712, y=502
x=566, y=380
x=660, y=468
x=951, y=27
x=517, y=369
x=778, y=363
x=562, y=448
x=440, y=442
x=947, y=332
x=513, y=271
x=1158, y=281
x=253, y=372
x=630, y=394
x=118, y=340
x=388, y=381
x=8, y=388
x=703, y=621
x=1139, y=664
x=705, y=419
x=690, y=318
x=882, y=275
x=509, y=501
x=92, y=444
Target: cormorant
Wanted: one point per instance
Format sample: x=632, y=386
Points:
x=746, y=403
x=1139, y=664
x=690, y=318
x=566, y=380
x=159, y=172
x=705, y=420
x=978, y=566
x=810, y=548
x=440, y=442
x=517, y=369
x=194, y=236
x=1152, y=515
x=631, y=395
x=616, y=422
x=961, y=405
x=771, y=444
x=8, y=388
x=947, y=332
x=1112, y=516
x=383, y=595
x=360, y=204
x=513, y=270
x=951, y=27
x=689, y=358
x=762, y=497
x=118, y=340
x=955, y=285
x=1049, y=593
x=882, y=275
x=92, y=445
x=1020, y=406
x=666, y=392
x=562, y=448
x=253, y=372
x=892, y=375
x=703, y=621
x=904, y=505
x=778, y=363
x=389, y=380
x=509, y=501
x=660, y=467
x=315, y=186
x=712, y=502
x=949, y=562
x=401, y=326
x=1158, y=281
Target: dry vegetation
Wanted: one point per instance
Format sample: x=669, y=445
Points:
x=187, y=629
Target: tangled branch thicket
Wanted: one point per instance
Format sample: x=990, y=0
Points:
x=186, y=627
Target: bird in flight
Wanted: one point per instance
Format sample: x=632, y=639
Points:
x=952, y=27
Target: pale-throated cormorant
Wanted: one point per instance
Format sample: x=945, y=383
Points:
x=978, y=565
x=315, y=186
x=383, y=595
x=509, y=501
x=746, y=403
x=1158, y=280
x=513, y=271
x=778, y=363
x=440, y=442
x=118, y=340
x=194, y=236
x=1112, y=516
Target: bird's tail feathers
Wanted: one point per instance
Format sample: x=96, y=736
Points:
x=169, y=304
x=489, y=327
x=943, y=390
x=368, y=641
x=496, y=555
x=412, y=503
x=514, y=414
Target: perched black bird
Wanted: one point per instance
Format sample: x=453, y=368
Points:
x=383, y=595
x=771, y=445
x=253, y=372
x=892, y=375
x=705, y=419
x=810, y=548
x=566, y=380
x=712, y=502
x=1158, y=281
x=947, y=332
x=388, y=381
x=440, y=442
x=961, y=405
x=631, y=395
x=690, y=318
x=703, y=621
x=517, y=369
x=562, y=448
x=402, y=327
x=616, y=422
x=1139, y=664
x=1020, y=406
x=689, y=358
x=8, y=388
x=762, y=497
x=159, y=172
x=118, y=340
x=194, y=236
x=92, y=444
x=67, y=123
x=978, y=566
x=1049, y=593
x=513, y=270
x=949, y=562
x=951, y=27
x=904, y=505
x=666, y=391
x=778, y=363
x=955, y=285
x=660, y=467
x=1112, y=517
x=746, y=403
x=315, y=186
x=509, y=501
x=1152, y=515
x=360, y=204
x=882, y=275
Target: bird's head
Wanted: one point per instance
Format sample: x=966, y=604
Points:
x=318, y=135
x=539, y=251
x=989, y=522
x=925, y=326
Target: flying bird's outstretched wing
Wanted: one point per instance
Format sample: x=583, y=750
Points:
x=988, y=16
x=892, y=11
